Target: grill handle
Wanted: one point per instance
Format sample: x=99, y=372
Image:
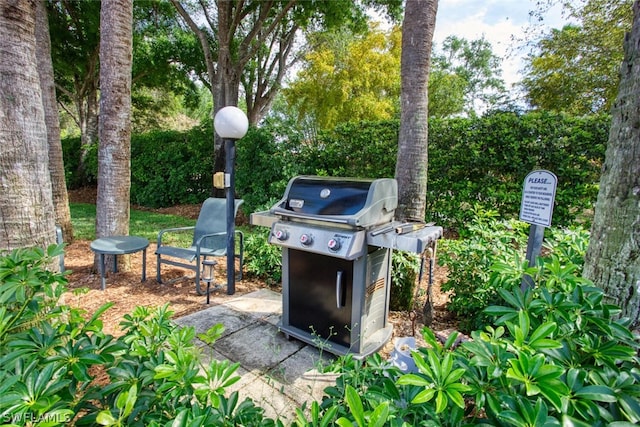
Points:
x=339, y=299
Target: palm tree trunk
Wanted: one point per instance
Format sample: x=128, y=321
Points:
x=114, y=152
x=411, y=165
x=26, y=202
x=52, y=121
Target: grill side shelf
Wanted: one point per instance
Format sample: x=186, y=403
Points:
x=416, y=241
x=263, y=218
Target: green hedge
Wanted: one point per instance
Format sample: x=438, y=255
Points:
x=478, y=162
x=265, y=161
x=167, y=167
x=483, y=162
x=170, y=168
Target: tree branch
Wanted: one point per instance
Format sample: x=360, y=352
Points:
x=202, y=37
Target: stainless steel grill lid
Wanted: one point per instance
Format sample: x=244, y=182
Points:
x=356, y=202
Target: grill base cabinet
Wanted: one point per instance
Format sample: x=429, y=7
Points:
x=338, y=305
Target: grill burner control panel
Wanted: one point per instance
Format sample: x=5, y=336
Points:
x=345, y=244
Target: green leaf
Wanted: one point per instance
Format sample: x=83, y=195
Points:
x=413, y=379
x=454, y=376
x=451, y=339
x=355, y=404
x=328, y=416
x=631, y=407
x=441, y=402
x=455, y=397
x=380, y=415
x=132, y=397
x=599, y=393
x=344, y=422
x=105, y=418
x=424, y=396
x=512, y=418
x=568, y=421
x=542, y=331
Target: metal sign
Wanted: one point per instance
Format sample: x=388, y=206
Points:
x=538, y=195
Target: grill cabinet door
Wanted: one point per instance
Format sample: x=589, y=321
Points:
x=320, y=295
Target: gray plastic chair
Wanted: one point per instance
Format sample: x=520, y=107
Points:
x=209, y=240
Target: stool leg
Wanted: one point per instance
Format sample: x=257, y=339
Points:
x=102, y=272
x=144, y=265
x=115, y=263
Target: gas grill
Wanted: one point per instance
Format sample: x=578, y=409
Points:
x=337, y=235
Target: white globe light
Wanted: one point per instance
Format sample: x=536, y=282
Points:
x=231, y=122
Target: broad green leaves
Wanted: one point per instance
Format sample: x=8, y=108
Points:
x=439, y=379
x=50, y=356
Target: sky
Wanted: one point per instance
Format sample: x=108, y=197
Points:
x=498, y=21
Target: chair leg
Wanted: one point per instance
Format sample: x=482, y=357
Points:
x=158, y=263
x=241, y=256
x=198, y=288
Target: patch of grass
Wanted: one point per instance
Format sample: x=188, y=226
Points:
x=141, y=223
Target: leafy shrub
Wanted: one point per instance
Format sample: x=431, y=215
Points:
x=483, y=161
x=170, y=168
x=71, y=155
x=405, y=267
x=265, y=161
x=555, y=355
x=492, y=256
x=364, y=150
x=469, y=261
x=50, y=356
x=262, y=259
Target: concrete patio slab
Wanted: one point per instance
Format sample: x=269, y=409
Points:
x=278, y=374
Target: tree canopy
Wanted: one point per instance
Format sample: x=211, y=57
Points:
x=351, y=77
x=163, y=56
x=575, y=69
x=472, y=68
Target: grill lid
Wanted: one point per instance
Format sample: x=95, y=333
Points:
x=356, y=202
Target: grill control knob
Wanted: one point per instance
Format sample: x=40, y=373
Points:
x=306, y=240
x=334, y=245
x=281, y=235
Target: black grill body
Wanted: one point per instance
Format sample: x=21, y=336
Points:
x=338, y=305
x=337, y=235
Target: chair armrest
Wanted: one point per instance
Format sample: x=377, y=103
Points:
x=175, y=229
x=204, y=236
x=220, y=233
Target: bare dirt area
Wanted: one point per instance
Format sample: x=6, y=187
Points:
x=125, y=290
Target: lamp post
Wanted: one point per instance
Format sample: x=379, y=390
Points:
x=231, y=124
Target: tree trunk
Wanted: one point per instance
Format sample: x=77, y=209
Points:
x=612, y=261
x=114, y=150
x=226, y=82
x=87, y=107
x=52, y=121
x=26, y=201
x=411, y=164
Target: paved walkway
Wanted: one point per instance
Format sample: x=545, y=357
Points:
x=278, y=374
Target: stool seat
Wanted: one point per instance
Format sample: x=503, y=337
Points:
x=120, y=245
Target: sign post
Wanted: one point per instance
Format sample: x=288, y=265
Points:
x=536, y=208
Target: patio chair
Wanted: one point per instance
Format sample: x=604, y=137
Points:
x=209, y=240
